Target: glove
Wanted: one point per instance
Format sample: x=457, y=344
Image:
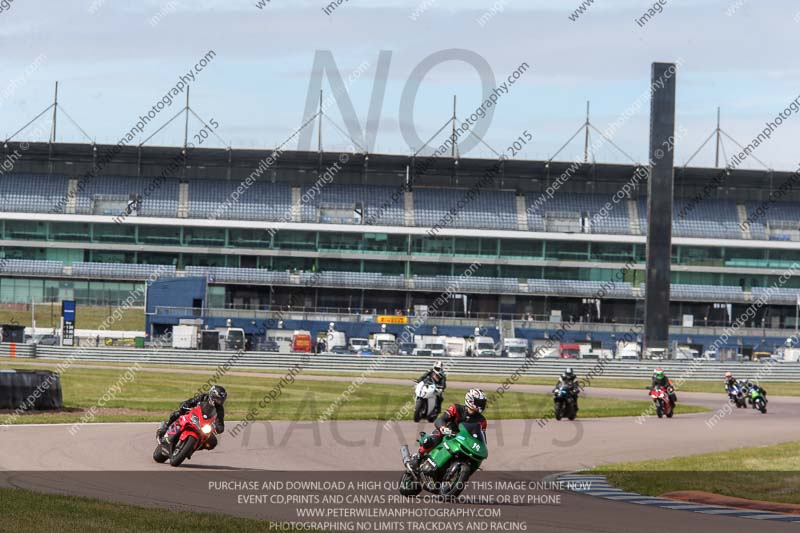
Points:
x=444, y=430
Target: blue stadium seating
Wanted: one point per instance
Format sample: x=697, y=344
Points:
x=486, y=210
x=259, y=201
x=159, y=196
x=33, y=193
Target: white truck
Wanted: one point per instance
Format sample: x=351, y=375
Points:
x=628, y=351
x=335, y=342
x=545, y=349
x=788, y=354
x=433, y=343
x=185, y=337
x=384, y=343
x=514, y=347
x=231, y=339
x=357, y=344
x=280, y=340
x=481, y=347
x=456, y=346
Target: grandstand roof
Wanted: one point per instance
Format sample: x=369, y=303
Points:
x=76, y=159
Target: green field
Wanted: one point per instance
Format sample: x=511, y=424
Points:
x=32, y=512
x=86, y=317
x=151, y=395
x=769, y=473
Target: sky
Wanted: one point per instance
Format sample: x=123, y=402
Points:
x=114, y=60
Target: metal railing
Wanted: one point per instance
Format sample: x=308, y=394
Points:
x=496, y=366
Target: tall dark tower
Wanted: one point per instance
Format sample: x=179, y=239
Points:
x=659, y=206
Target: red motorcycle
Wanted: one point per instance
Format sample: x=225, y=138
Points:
x=664, y=405
x=189, y=433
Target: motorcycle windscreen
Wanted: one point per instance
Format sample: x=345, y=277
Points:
x=471, y=441
x=208, y=410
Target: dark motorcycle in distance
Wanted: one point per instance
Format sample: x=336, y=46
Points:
x=565, y=402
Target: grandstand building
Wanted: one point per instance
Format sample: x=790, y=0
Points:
x=385, y=233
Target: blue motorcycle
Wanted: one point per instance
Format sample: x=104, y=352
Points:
x=737, y=395
x=565, y=403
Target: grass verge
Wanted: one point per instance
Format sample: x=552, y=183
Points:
x=150, y=396
x=768, y=473
x=32, y=512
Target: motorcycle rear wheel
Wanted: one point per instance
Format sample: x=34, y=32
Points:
x=572, y=411
x=158, y=454
x=182, y=450
x=455, y=477
x=409, y=486
x=419, y=410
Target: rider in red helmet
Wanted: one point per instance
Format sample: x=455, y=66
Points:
x=730, y=381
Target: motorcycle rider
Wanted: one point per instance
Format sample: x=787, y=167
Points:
x=448, y=421
x=216, y=396
x=568, y=380
x=750, y=387
x=660, y=379
x=438, y=377
x=730, y=381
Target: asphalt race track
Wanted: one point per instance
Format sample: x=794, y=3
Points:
x=113, y=461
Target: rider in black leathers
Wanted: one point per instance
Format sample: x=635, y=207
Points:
x=568, y=380
x=215, y=396
x=661, y=379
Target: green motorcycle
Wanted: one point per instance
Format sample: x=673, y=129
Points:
x=758, y=400
x=448, y=466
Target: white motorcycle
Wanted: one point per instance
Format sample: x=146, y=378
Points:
x=426, y=403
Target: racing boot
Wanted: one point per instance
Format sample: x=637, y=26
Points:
x=413, y=463
x=162, y=429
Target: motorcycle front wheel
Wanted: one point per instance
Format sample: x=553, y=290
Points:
x=182, y=450
x=558, y=411
x=409, y=486
x=454, y=479
x=419, y=409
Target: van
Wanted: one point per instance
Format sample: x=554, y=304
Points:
x=514, y=347
x=301, y=341
x=481, y=347
x=456, y=346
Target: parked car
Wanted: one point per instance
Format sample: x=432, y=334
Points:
x=46, y=340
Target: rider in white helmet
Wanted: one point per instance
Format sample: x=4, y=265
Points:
x=438, y=377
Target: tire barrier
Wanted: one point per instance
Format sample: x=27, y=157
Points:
x=30, y=390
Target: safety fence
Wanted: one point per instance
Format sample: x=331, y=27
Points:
x=500, y=366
